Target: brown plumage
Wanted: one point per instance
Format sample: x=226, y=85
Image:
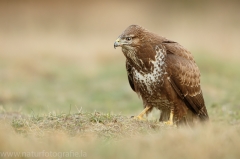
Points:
x=164, y=74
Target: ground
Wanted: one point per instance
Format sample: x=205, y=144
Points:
x=102, y=127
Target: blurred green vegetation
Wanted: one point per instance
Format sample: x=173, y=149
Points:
x=52, y=85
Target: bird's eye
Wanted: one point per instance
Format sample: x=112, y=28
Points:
x=128, y=38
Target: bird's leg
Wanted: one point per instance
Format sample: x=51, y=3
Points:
x=140, y=116
x=170, y=121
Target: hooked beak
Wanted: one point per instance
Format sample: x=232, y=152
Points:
x=117, y=43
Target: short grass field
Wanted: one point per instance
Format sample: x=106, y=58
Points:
x=64, y=92
x=61, y=108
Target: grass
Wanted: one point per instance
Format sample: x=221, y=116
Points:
x=104, y=126
x=89, y=114
x=98, y=135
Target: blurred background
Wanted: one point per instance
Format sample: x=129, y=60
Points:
x=59, y=55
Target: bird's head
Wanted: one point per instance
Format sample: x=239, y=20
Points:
x=130, y=38
x=138, y=45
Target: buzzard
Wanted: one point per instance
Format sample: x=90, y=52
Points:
x=164, y=74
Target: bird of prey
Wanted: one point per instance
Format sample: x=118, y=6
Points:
x=164, y=74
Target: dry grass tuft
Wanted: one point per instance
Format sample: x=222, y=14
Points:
x=103, y=126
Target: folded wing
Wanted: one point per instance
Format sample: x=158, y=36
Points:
x=184, y=77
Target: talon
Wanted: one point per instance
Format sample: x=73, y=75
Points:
x=140, y=118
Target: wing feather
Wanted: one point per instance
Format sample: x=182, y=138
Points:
x=130, y=75
x=184, y=77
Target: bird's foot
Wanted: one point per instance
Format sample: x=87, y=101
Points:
x=140, y=118
x=168, y=123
